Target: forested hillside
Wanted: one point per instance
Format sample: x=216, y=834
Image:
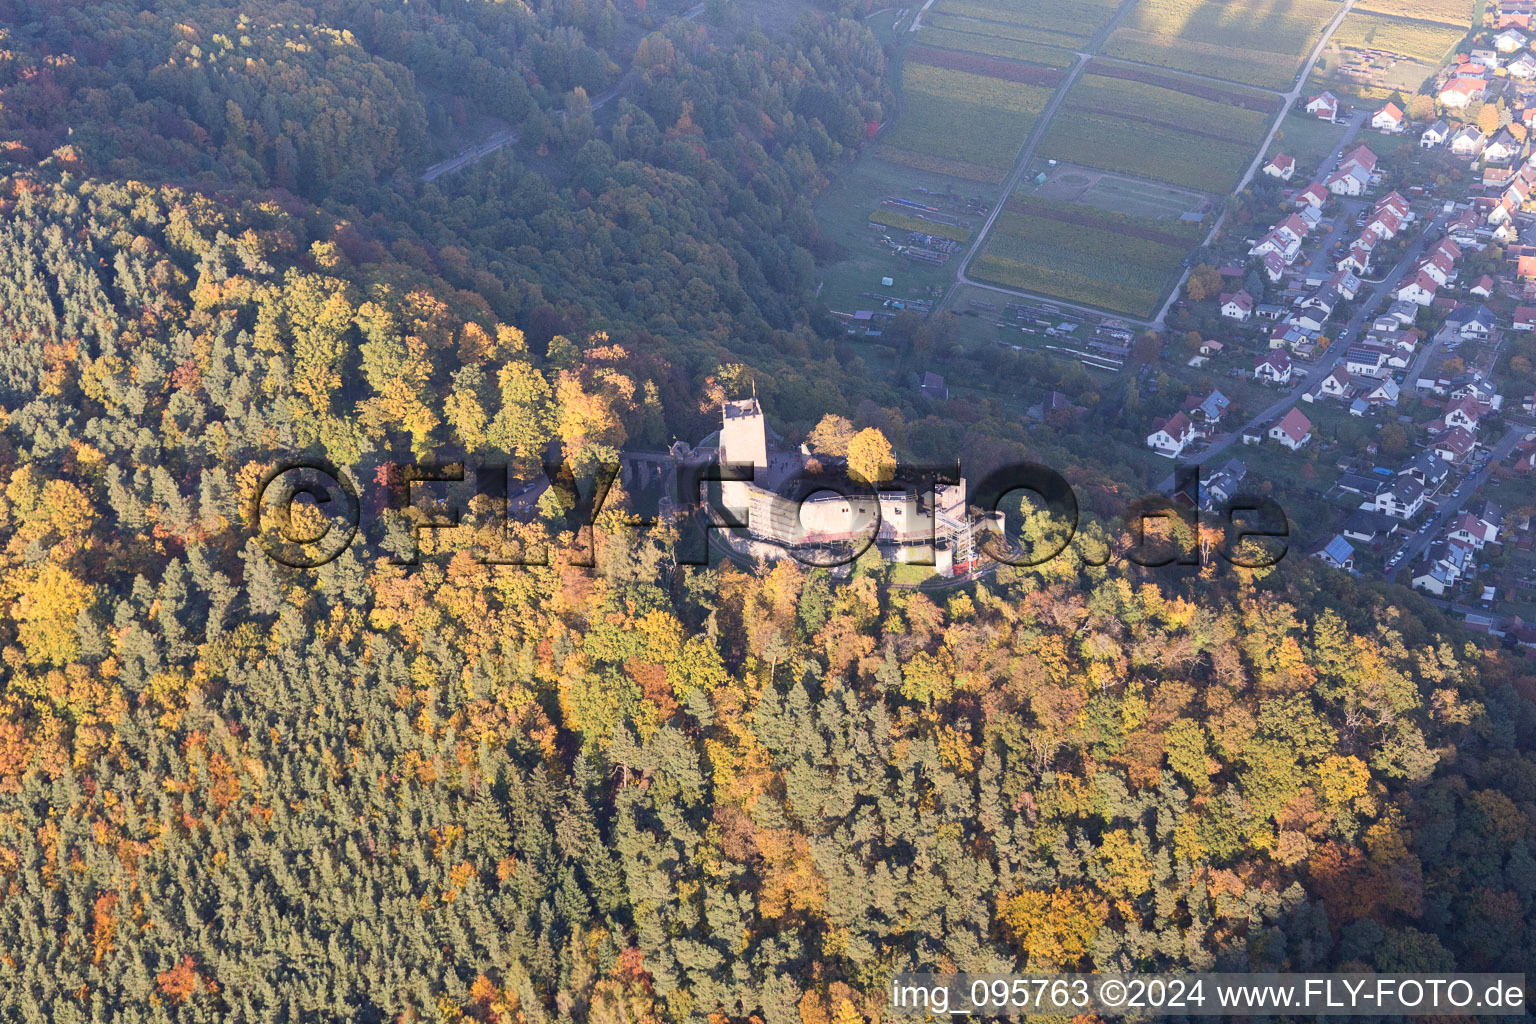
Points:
x=231, y=791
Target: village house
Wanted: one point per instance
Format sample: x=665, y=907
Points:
x=1367, y=527
x=1512, y=13
x=1427, y=471
x=1237, y=305
x=1522, y=67
x=1365, y=360
x=1502, y=148
x=1421, y=290
x=1454, y=445
x=1381, y=392
x=1172, y=436
x=1443, y=566
x=1482, y=287
x=1324, y=106
x=1294, y=430
x=1472, y=323
x=1293, y=227
x=1358, y=259
x=1348, y=180
x=1273, y=366
x=1404, y=499
x=1435, y=135
x=1338, y=553
x=1287, y=336
x=1209, y=410
x=1274, y=266
x=1463, y=412
x=1335, y=385
x=1314, y=195
x=1468, y=141
x=1525, y=318
x=1285, y=247
x=1281, y=167
x=1460, y=92
x=1468, y=529
x=1388, y=119
x=1221, y=487
x=1475, y=386
x=1346, y=283
x=1509, y=41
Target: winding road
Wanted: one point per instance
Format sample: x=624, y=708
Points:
x=507, y=136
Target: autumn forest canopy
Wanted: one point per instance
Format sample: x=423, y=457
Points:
x=640, y=791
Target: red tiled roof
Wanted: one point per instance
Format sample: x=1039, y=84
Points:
x=1294, y=425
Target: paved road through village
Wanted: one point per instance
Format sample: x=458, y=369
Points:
x=1447, y=508
x=1366, y=305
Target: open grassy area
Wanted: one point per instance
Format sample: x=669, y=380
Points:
x=1136, y=196
x=1307, y=139
x=1421, y=40
x=1080, y=254
x=1155, y=104
x=1078, y=18
x=1147, y=150
x=961, y=123
x=1254, y=41
x=1448, y=12
x=999, y=30
x=995, y=46
x=1159, y=125
x=845, y=211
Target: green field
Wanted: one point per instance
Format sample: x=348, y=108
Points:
x=1078, y=254
x=1422, y=40
x=968, y=125
x=844, y=210
x=1140, y=101
x=1080, y=18
x=995, y=46
x=1149, y=131
x=1255, y=41
x=1307, y=139
x=999, y=30
x=1146, y=150
x=1447, y=12
x=892, y=219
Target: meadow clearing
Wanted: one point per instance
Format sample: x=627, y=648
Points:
x=1427, y=41
x=1081, y=254
x=1151, y=131
x=1260, y=42
x=961, y=123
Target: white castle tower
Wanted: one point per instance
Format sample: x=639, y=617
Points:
x=743, y=439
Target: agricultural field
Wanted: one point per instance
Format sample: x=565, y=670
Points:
x=852, y=213
x=1079, y=254
x=995, y=46
x=1447, y=12
x=961, y=123
x=1076, y=18
x=903, y=222
x=1115, y=120
x=1420, y=40
x=1254, y=41
x=1000, y=30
